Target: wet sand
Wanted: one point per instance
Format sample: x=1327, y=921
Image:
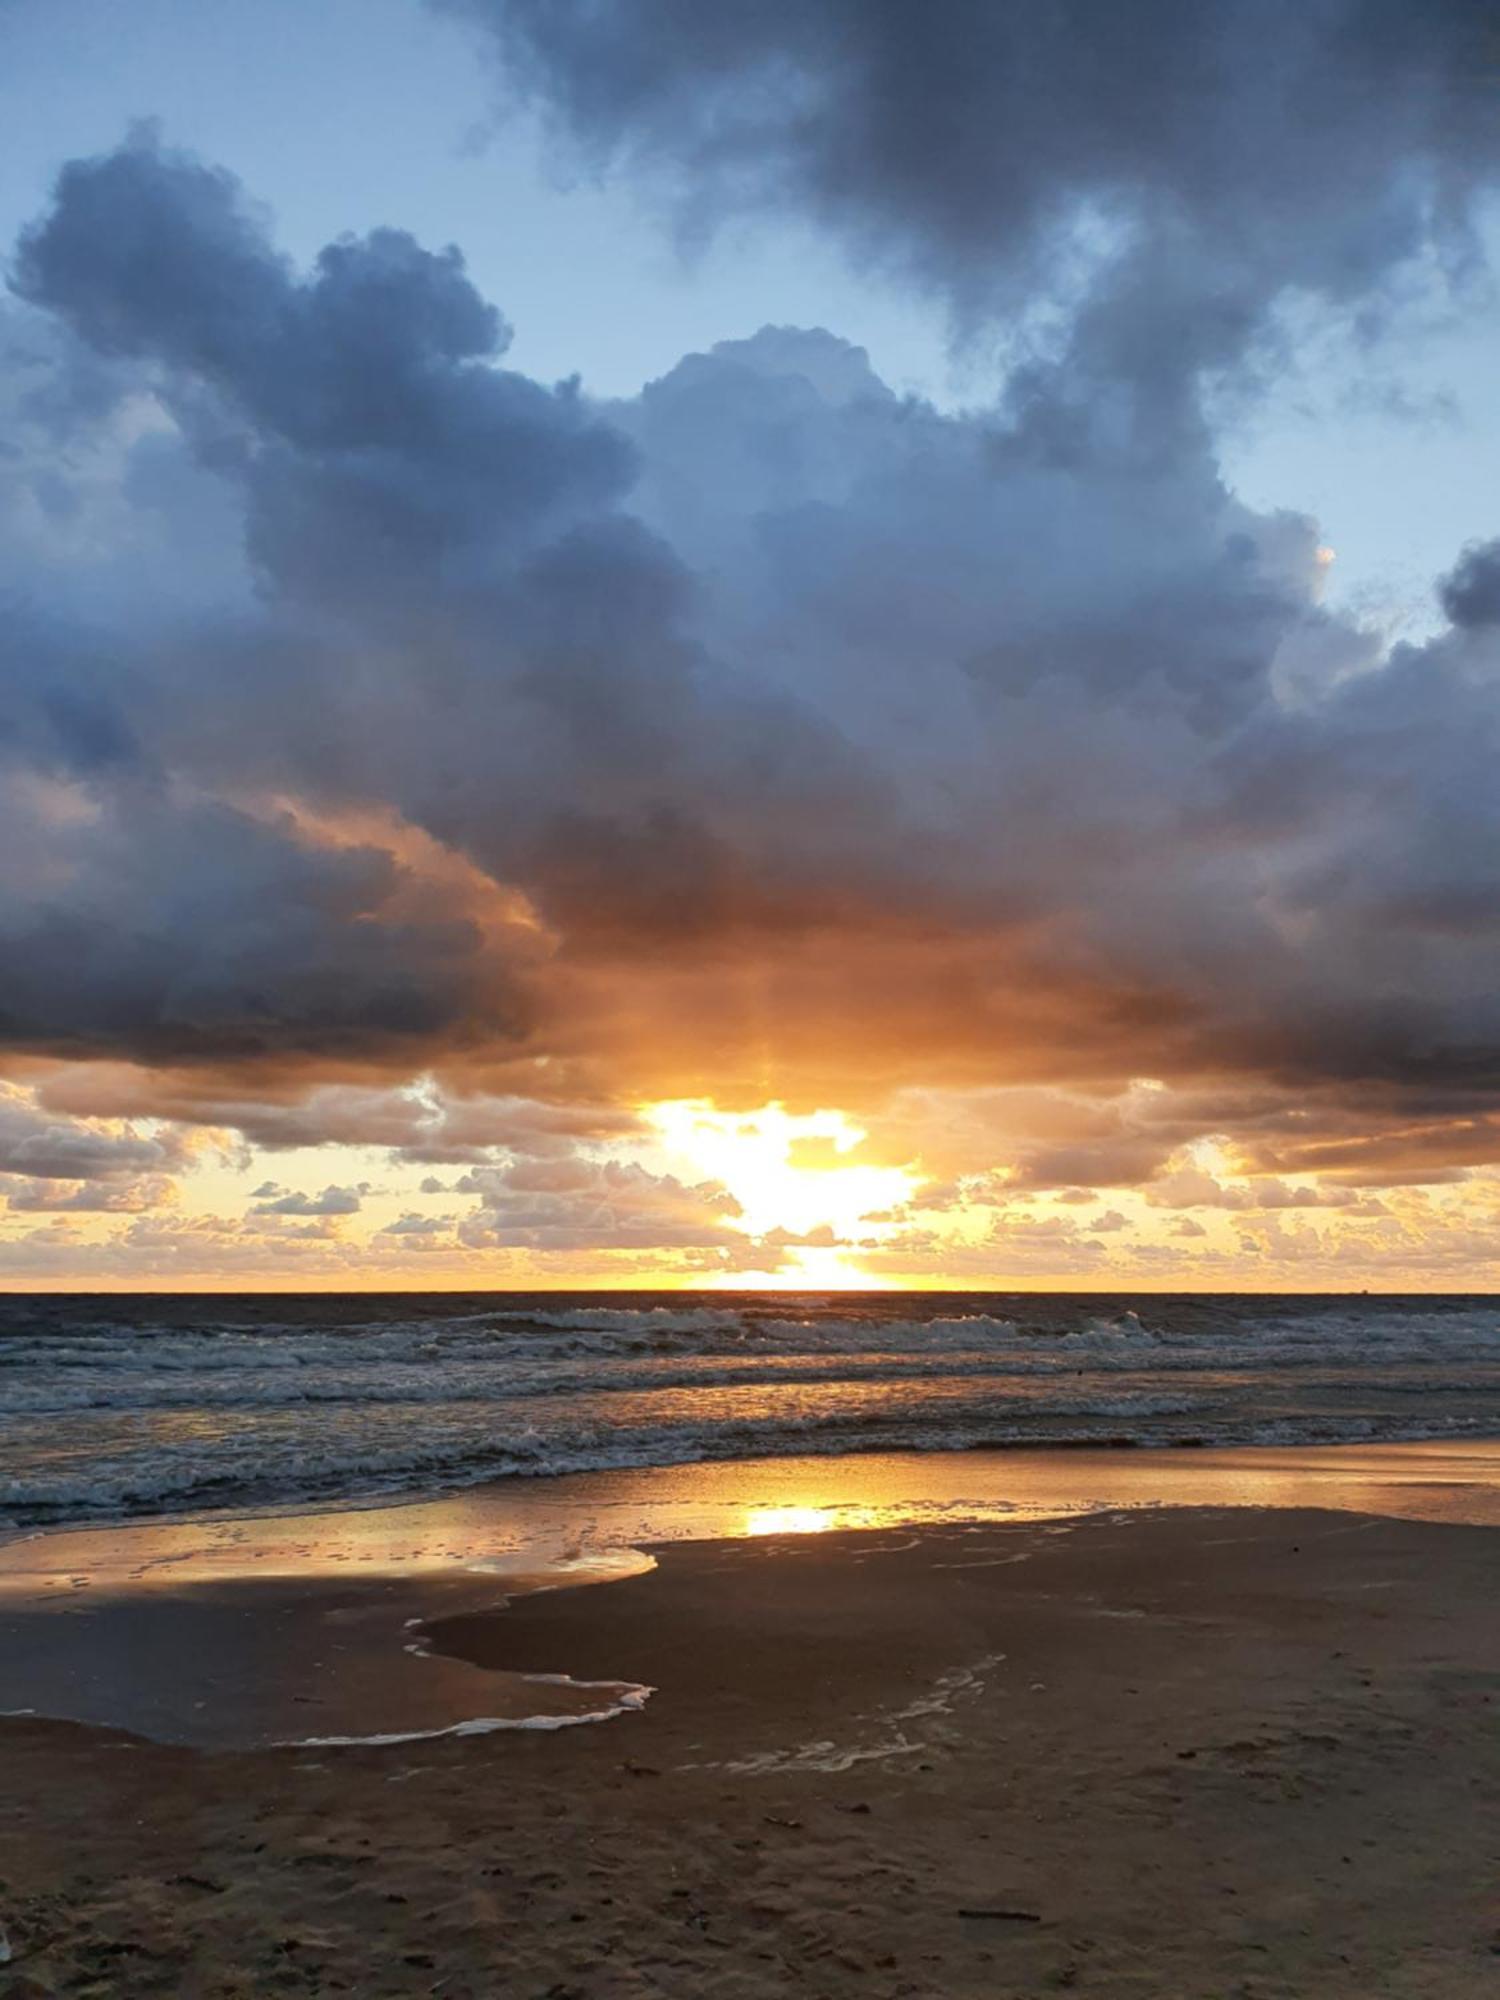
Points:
x=1196, y=1752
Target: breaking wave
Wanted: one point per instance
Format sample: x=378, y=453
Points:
x=115, y=1406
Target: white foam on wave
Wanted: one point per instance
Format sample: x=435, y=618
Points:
x=92, y=1416
x=630, y=1698
x=177, y=1479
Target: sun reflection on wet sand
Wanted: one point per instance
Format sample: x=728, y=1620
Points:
x=574, y=1528
x=306, y=1627
x=789, y=1520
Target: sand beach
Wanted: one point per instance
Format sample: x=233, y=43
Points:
x=1172, y=1750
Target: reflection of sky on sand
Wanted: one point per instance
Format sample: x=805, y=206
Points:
x=299, y=1627
x=577, y=1529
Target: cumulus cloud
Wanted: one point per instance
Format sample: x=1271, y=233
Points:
x=54, y=1197
x=180, y=1249
x=1190, y=1187
x=38, y=1144
x=356, y=402
x=580, y=1204
x=332, y=1201
x=410, y=1224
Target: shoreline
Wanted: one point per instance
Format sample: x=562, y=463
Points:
x=309, y=1405
x=1134, y=1752
x=1035, y=1441
x=698, y=1498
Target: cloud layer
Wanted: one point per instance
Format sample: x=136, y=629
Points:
x=370, y=712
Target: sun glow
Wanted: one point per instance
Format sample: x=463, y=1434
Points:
x=798, y=1186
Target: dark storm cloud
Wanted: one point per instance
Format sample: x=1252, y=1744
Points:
x=458, y=623
x=173, y=927
x=380, y=462
x=358, y=399
x=1471, y=594
x=64, y=706
x=1078, y=680
x=1241, y=147
x=279, y=1111
x=766, y=734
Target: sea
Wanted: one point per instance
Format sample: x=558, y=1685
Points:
x=112, y=1407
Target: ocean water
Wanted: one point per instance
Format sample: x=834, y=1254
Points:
x=117, y=1406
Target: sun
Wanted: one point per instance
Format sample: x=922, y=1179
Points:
x=793, y=1177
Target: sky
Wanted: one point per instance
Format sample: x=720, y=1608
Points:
x=797, y=644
